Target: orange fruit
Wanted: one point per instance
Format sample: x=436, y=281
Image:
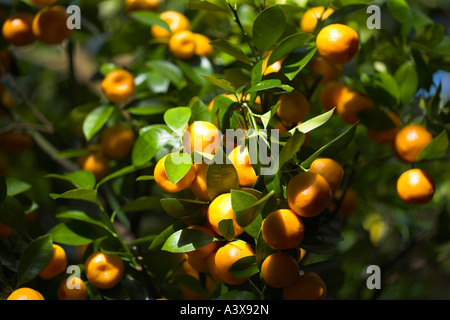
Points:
x=221, y=209
x=182, y=44
x=415, y=186
x=15, y=142
x=25, y=294
x=56, y=265
x=17, y=29
x=118, y=85
x=241, y=161
x=176, y=21
x=103, y=270
x=386, y=136
x=202, y=46
x=348, y=204
x=279, y=270
x=204, y=251
x=282, y=229
x=331, y=93
x=5, y=231
x=162, y=180
x=117, y=142
x=198, y=186
x=337, y=43
x=330, y=169
x=212, y=268
x=308, y=193
x=410, y=141
x=76, y=290
x=326, y=69
x=202, y=136
x=137, y=5
x=308, y=286
x=311, y=17
x=292, y=108
x=50, y=25
x=198, y=263
x=42, y=3
x=229, y=254
x=350, y=104
x=94, y=162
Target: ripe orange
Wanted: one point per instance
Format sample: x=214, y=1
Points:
x=241, y=161
x=229, y=254
x=25, y=294
x=337, y=43
x=293, y=108
x=94, y=162
x=308, y=286
x=117, y=141
x=136, y=5
x=182, y=44
x=221, y=209
x=348, y=204
x=118, y=85
x=415, y=186
x=76, y=291
x=386, y=136
x=5, y=231
x=212, y=268
x=202, y=46
x=17, y=29
x=50, y=25
x=163, y=181
x=410, y=141
x=350, y=103
x=198, y=186
x=176, y=21
x=279, y=270
x=326, y=69
x=202, y=136
x=308, y=193
x=103, y=270
x=330, y=169
x=282, y=229
x=312, y=16
x=42, y=3
x=331, y=93
x=56, y=265
x=204, y=251
x=200, y=264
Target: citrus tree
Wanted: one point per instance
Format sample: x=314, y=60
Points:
x=221, y=149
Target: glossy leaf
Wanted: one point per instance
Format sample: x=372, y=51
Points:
x=187, y=240
x=268, y=26
x=95, y=120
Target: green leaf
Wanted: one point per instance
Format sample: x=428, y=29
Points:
x=408, y=82
x=295, y=62
x=270, y=84
x=74, y=233
x=78, y=194
x=291, y=148
x=437, y=148
x=186, y=240
x=221, y=177
x=169, y=70
x=95, y=120
x=226, y=229
x=205, y=5
x=268, y=26
x=247, y=207
x=231, y=49
x=288, y=45
x=148, y=144
x=177, y=165
x=16, y=186
x=177, y=208
x=3, y=189
x=177, y=119
x=149, y=18
x=401, y=11
x=84, y=217
x=221, y=83
x=430, y=35
x=262, y=250
x=159, y=241
x=332, y=148
x=80, y=179
x=313, y=123
x=34, y=258
x=244, y=267
x=141, y=204
x=12, y=214
x=121, y=172
x=375, y=119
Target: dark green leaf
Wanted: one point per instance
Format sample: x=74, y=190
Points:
x=75, y=233
x=437, y=148
x=221, y=177
x=78, y=194
x=159, y=241
x=226, y=229
x=244, y=267
x=12, y=214
x=186, y=240
x=291, y=148
x=268, y=26
x=295, y=62
x=16, y=186
x=178, y=208
x=148, y=144
x=288, y=45
x=375, y=119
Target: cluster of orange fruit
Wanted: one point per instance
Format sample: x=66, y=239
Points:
x=337, y=44
x=49, y=25
x=183, y=43
x=102, y=270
